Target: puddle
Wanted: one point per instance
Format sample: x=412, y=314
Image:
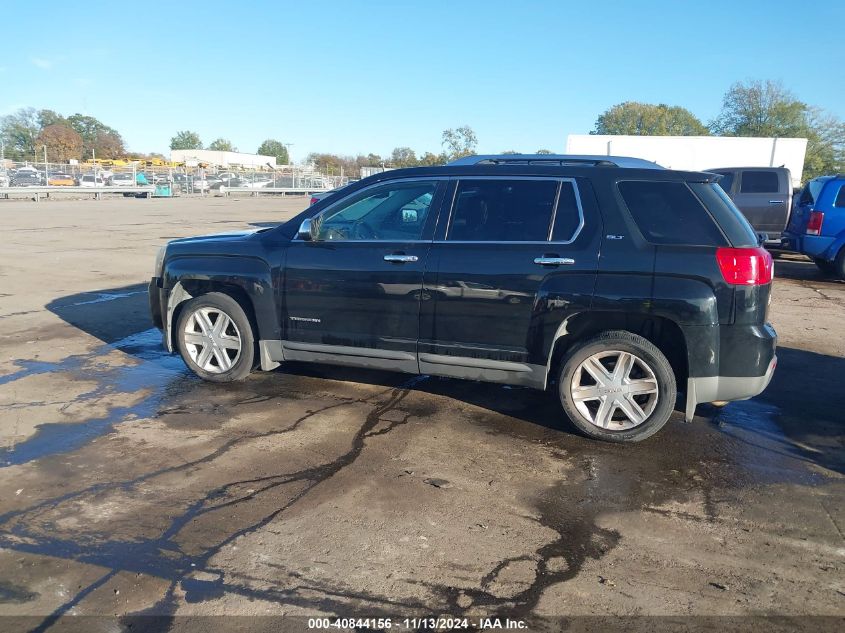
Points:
x=156, y=370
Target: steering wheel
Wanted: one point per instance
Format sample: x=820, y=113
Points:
x=364, y=231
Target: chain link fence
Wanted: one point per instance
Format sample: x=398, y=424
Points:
x=183, y=179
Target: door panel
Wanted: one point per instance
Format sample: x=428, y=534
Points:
x=354, y=292
x=489, y=303
x=762, y=196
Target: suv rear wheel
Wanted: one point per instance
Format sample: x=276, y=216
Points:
x=215, y=338
x=617, y=387
x=825, y=266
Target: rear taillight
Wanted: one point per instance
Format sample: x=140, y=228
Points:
x=745, y=266
x=814, y=224
x=314, y=200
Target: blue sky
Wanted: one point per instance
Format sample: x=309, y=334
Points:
x=351, y=77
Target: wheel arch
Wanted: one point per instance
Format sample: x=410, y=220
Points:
x=666, y=334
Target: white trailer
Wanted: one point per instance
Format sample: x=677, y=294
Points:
x=698, y=153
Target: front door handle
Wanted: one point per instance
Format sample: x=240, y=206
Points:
x=553, y=261
x=401, y=259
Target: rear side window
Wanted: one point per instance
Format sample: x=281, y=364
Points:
x=503, y=210
x=840, y=198
x=669, y=213
x=733, y=224
x=759, y=182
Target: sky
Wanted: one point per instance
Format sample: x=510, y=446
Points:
x=359, y=77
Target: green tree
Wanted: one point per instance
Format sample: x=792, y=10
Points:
x=50, y=117
x=648, y=119
x=19, y=131
x=62, y=142
x=766, y=108
x=186, y=140
x=96, y=136
x=403, y=157
x=431, y=160
x=272, y=147
x=459, y=142
x=222, y=145
x=543, y=151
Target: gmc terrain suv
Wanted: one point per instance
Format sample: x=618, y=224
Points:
x=613, y=279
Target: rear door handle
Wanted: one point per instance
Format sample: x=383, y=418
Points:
x=401, y=259
x=553, y=261
x=775, y=201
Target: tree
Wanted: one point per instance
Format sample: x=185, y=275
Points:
x=403, y=157
x=50, y=117
x=510, y=151
x=186, y=140
x=648, y=119
x=63, y=143
x=272, y=147
x=543, y=151
x=766, y=108
x=19, y=131
x=222, y=145
x=760, y=108
x=96, y=136
x=459, y=142
x=430, y=160
x=106, y=145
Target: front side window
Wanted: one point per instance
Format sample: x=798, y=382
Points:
x=759, y=182
x=503, y=210
x=392, y=212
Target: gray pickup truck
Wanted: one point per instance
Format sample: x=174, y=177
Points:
x=763, y=194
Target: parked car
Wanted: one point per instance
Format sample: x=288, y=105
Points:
x=817, y=226
x=123, y=179
x=319, y=195
x=26, y=178
x=204, y=183
x=61, y=180
x=228, y=181
x=763, y=194
x=4, y=179
x=632, y=281
x=89, y=180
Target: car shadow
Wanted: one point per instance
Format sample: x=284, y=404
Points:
x=790, y=265
x=110, y=315
x=800, y=413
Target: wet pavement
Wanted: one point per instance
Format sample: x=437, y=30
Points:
x=128, y=487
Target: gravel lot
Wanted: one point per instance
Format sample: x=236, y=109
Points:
x=129, y=487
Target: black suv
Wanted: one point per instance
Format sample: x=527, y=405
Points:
x=612, y=278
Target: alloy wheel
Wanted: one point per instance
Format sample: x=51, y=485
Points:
x=212, y=339
x=614, y=390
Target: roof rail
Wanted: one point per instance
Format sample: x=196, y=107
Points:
x=557, y=160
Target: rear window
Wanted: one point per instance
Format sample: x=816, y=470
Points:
x=759, y=182
x=812, y=190
x=669, y=213
x=840, y=198
x=503, y=210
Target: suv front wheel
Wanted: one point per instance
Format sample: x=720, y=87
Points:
x=617, y=387
x=215, y=338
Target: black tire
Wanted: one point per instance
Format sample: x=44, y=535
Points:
x=647, y=353
x=827, y=268
x=245, y=361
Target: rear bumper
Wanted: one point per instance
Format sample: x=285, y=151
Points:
x=746, y=363
x=815, y=246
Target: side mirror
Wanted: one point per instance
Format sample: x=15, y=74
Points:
x=306, y=231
